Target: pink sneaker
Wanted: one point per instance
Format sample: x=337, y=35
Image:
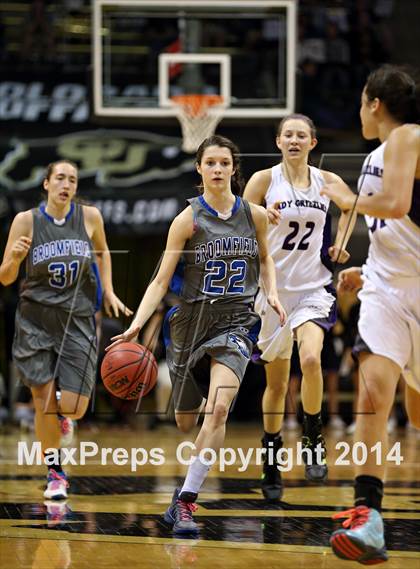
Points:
x=57, y=485
x=67, y=431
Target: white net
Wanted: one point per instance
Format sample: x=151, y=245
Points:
x=198, y=115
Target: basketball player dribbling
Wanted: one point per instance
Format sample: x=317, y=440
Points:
x=222, y=242
x=300, y=243
x=55, y=336
x=389, y=322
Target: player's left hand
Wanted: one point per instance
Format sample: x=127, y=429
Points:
x=340, y=194
x=274, y=302
x=130, y=335
x=338, y=255
x=113, y=305
x=273, y=213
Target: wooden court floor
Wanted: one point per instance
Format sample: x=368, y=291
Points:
x=113, y=516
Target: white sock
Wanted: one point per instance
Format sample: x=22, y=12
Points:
x=197, y=473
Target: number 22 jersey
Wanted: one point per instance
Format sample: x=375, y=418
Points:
x=299, y=243
x=221, y=260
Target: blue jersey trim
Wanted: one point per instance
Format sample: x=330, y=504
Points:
x=50, y=217
x=213, y=211
x=236, y=205
x=254, y=332
x=166, y=330
x=99, y=291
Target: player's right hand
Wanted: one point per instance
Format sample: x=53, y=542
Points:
x=350, y=280
x=274, y=302
x=129, y=335
x=273, y=213
x=20, y=248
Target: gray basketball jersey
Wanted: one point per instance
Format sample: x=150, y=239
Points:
x=220, y=261
x=60, y=266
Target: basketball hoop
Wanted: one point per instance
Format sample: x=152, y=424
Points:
x=198, y=115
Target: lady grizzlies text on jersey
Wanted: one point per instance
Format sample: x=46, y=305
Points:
x=302, y=239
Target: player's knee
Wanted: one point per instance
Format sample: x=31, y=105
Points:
x=220, y=413
x=372, y=398
x=310, y=363
x=276, y=390
x=39, y=401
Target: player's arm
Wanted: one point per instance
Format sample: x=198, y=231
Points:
x=17, y=247
x=257, y=186
x=255, y=192
x=400, y=161
x=401, y=155
x=112, y=303
x=151, y=332
x=180, y=231
x=346, y=223
x=268, y=273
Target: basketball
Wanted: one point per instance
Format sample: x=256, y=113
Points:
x=129, y=371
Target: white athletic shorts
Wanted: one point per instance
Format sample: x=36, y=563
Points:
x=389, y=325
x=317, y=306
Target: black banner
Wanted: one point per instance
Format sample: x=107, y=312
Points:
x=139, y=180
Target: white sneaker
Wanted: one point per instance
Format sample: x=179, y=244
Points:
x=57, y=485
x=336, y=423
x=351, y=428
x=67, y=431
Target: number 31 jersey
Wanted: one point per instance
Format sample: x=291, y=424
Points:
x=299, y=243
x=60, y=267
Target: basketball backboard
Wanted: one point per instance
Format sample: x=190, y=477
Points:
x=243, y=50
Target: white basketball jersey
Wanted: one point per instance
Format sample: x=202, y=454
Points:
x=393, y=257
x=299, y=243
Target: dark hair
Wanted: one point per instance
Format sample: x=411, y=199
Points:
x=297, y=116
x=397, y=89
x=52, y=165
x=237, y=183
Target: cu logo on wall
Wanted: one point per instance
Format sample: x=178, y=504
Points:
x=137, y=179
